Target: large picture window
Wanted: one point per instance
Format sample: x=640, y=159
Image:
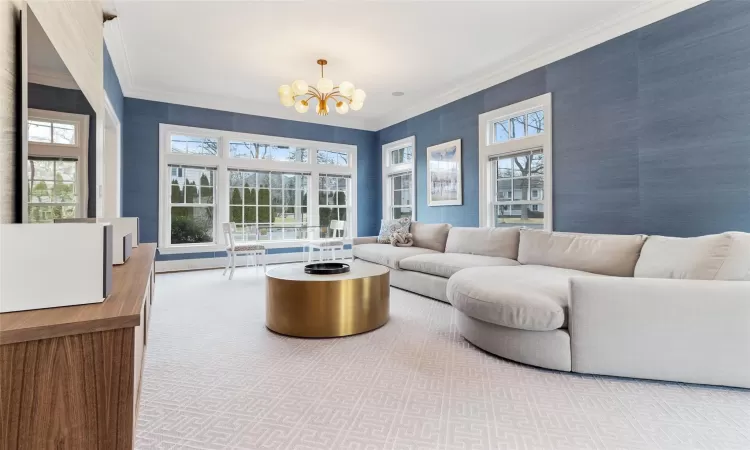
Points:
x=398, y=179
x=515, y=155
x=275, y=188
x=258, y=199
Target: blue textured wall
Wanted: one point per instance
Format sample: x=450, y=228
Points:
x=141, y=157
x=651, y=130
x=74, y=102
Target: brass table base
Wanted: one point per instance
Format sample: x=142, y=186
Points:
x=315, y=308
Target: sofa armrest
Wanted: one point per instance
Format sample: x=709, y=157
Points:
x=679, y=330
x=365, y=240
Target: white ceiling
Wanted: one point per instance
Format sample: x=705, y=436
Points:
x=234, y=55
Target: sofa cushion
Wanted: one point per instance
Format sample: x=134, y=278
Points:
x=524, y=297
x=605, y=254
x=386, y=254
x=723, y=256
x=430, y=235
x=446, y=264
x=502, y=242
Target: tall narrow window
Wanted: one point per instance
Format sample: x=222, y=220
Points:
x=398, y=179
x=515, y=159
x=56, y=168
x=192, y=204
x=52, y=189
x=401, y=187
x=334, y=198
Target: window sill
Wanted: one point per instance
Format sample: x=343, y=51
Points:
x=205, y=248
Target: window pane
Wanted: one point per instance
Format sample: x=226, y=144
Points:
x=397, y=182
x=65, y=192
x=515, y=215
x=537, y=164
x=41, y=192
x=40, y=131
x=521, y=189
x=235, y=197
x=256, y=150
x=207, y=195
x=537, y=188
x=276, y=196
x=395, y=157
x=251, y=196
x=235, y=214
x=517, y=125
x=290, y=180
x=504, y=190
x=264, y=196
x=502, y=131
x=535, y=124
x=407, y=154
x=275, y=180
x=192, y=225
x=334, y=158
x=191, y=193
x=194, y=145
x=399, y=212
x=505, y=168
x=64, y=133
x=521, y=165
x=263, y=179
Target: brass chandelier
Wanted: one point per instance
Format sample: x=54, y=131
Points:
x=344, y=96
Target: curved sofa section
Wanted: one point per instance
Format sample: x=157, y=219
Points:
x=548, y=349
x=598, y=304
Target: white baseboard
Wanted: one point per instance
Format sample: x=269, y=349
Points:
x=178, y=265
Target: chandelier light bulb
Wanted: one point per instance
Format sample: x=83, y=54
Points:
x=346, y=89
x=359, y=96
x=285, y=90
x=356, y=106
x=300, y=87
x=302, y=106
x=287, y=100
x=342, y=107
x=325, y=85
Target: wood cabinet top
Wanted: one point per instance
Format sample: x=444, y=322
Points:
x=122, y=309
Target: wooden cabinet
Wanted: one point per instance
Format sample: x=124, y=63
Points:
x=70, y=377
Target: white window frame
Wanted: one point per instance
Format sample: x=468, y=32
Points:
x=489, y=149
x=223, y=162
x=79, y=151
x=390, y=169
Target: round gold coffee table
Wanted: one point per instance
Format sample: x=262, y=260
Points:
x=316, y=306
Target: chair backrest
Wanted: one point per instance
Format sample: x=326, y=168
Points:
x=338, y=227
x=229, y=228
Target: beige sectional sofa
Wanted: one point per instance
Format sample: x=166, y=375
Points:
x=654, y=307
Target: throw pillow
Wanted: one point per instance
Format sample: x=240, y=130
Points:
x=401, y=239
x=388, y=227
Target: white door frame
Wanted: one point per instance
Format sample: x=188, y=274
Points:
x=112, y=183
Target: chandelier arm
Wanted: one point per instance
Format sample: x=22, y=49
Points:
x=314, y=91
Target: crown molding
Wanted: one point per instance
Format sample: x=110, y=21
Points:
x=246, y=106
x=639, y=17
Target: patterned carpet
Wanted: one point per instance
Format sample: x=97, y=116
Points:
x=215, y=378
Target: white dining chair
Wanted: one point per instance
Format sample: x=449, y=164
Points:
x=335, y=241
x=247, y=248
